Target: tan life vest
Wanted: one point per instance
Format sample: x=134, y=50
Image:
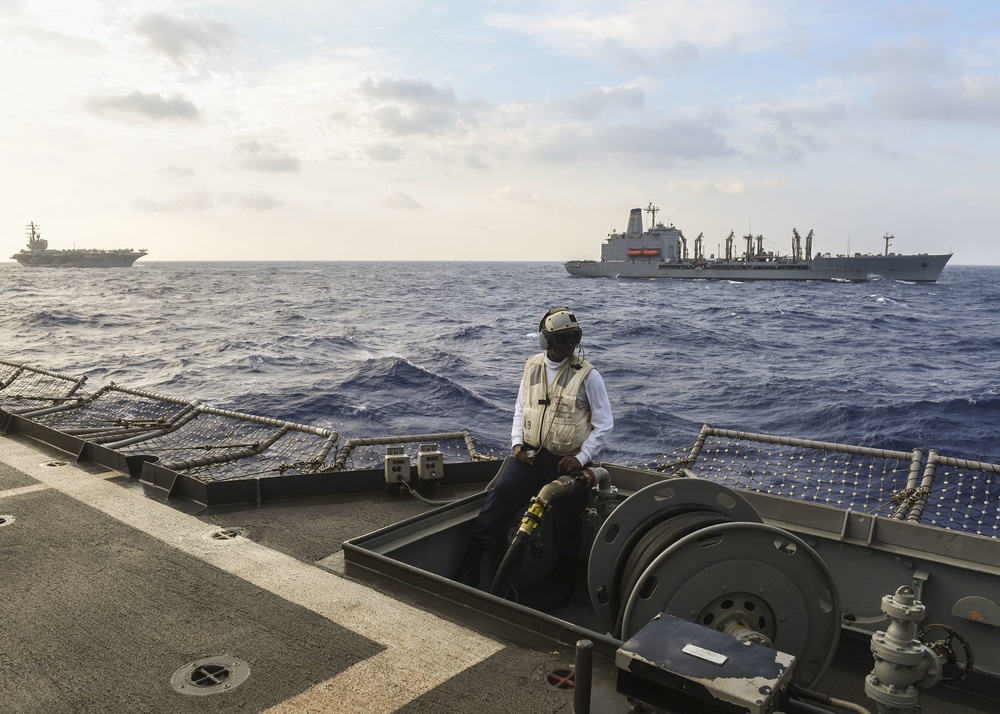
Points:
x=552, y=417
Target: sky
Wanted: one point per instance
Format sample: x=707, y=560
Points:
x=497, y=130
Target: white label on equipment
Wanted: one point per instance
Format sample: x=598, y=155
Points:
x=707, y=655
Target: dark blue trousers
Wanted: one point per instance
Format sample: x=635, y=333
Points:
x=511, y=494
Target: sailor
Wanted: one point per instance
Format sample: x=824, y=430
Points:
x=562, y=419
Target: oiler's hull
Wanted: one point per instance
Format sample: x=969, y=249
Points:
x=911, y=268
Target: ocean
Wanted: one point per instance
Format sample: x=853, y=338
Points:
x=377, y=348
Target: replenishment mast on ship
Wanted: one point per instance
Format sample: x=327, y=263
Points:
x=37, y=254
x=662, y=252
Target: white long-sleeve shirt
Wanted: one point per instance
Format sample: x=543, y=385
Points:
x=593, y=396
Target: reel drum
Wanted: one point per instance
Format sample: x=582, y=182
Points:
x=698, y=551
x=646, y=509
x=753, y=581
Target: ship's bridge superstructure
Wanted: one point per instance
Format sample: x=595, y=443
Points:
x=663, y=243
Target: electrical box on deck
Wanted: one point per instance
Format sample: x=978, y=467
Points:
x=430, y=463
x=397, y=465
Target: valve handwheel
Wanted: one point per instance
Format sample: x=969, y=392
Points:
x=955, y=668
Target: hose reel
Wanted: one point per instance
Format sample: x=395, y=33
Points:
x=698, y=551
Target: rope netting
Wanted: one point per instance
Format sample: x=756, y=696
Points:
x=201, y=441
x=212, y=444
x=219, y=446
x=24, y=389
x=113, y=413
x=961, y=495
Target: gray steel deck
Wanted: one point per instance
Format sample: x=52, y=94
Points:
x=109, y=590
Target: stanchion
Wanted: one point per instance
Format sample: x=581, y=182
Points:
x=583, y=676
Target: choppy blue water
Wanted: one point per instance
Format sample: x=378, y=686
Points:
x=381, y=348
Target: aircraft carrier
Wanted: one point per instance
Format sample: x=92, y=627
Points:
x=37, y=254
x=663, y=252
x=163, y=555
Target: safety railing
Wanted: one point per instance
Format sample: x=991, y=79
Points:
x=369, y=452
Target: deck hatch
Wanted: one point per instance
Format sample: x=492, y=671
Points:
x=210, y=675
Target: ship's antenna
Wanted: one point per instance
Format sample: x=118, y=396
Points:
x=652, y=209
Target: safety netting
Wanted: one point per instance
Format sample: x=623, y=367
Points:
x=201, y=441
x=24, y=388
x=903, y=485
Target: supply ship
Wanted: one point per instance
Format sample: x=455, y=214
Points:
x=38, y=255
x=663, y=252
x=163, y=555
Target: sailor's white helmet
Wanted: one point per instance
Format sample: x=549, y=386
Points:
x=559, y=326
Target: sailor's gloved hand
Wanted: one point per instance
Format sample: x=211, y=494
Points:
x=569, y=464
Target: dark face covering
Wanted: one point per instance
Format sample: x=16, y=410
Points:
x=561, y=345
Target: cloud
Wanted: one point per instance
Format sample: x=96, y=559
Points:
x=178, y=171
x=179, y=38
x=816, y=114
x=969, y=98
x=384, y=152
x=786, y=140
x=474, y=161
x=196, y=201
x=256, y=201
x=651, y=144
x=401, y=200
x=915, y=55
x=264, y=157
x=918, y=79
x=407, y=107
x=724, y=187
x=137, y=106
x=60, y=41
x=621, y=32
x=202, y=201
x=594, y=102
x=514, y=194
x=787, y=146
x=408, y=91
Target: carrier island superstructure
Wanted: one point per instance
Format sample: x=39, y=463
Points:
x=663, y=252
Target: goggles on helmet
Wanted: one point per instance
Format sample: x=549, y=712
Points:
x=565, y=338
